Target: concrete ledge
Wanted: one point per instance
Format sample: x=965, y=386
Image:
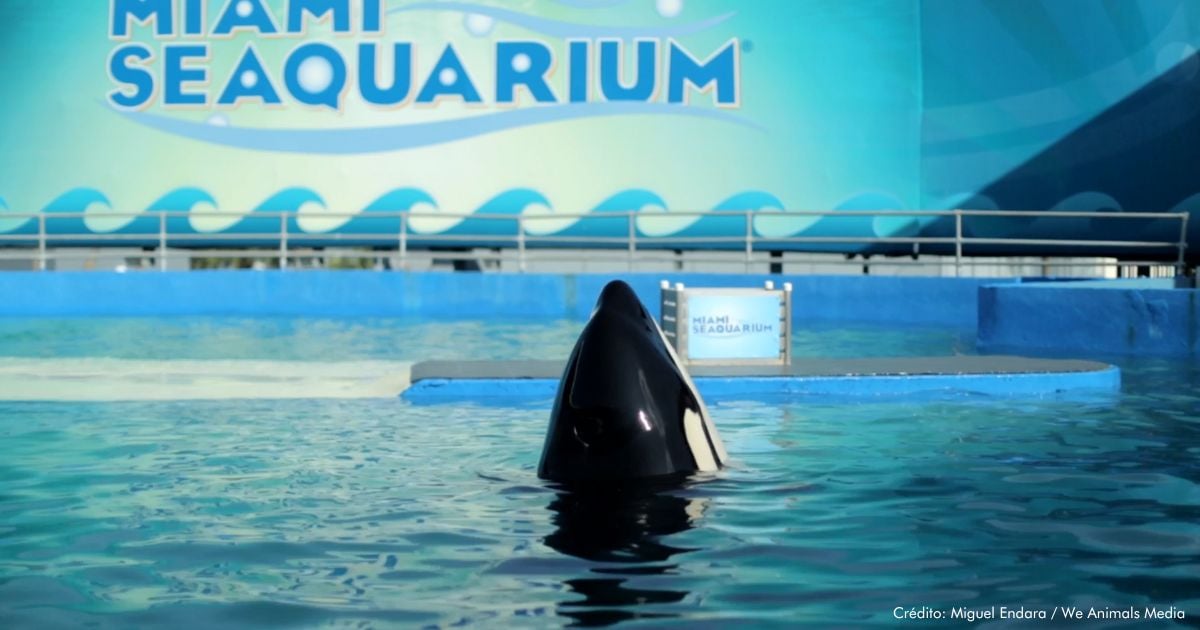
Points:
x=1090, y=317
x=494, y=382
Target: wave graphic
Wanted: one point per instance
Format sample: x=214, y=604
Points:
x=149, y=223
x=852, y=222
x=507, y=204
x=505, y=208
x=566, y=30
x=78, y=200
x=1189, y=205
x=1088, y=201
x=752, y=201
x=359, y=140
x=391, y=202
x=605, y=220
x=181, y=200
x=401, y=200
x=287, y=200
x=599, y=225
x=16, y=226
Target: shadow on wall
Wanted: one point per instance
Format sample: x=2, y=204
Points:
x=1140, y=155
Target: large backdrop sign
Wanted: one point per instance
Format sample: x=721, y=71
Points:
x=593, y=106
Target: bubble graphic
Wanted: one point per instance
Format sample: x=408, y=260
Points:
x=244, y=8
x=522, y=62
x=249, y=79
x=218, y=120
x=315, y=75
x=669, y=8
x=478, y=25
x=448, y=76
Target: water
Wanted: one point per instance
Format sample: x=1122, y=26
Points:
x=228, y=338
x=373, y=512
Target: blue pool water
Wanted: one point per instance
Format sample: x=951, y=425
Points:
x=376, y=513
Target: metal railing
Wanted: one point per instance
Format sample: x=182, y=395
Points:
x=523, y=235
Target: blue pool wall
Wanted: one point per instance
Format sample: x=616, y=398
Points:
x=1012, y=316
x=845, y=299
x=1117, y=317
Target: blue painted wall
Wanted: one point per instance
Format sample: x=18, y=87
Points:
x=1089, y=319
x=1077, y=318
x=917, y=301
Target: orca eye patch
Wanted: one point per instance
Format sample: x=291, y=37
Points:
x=589, y=429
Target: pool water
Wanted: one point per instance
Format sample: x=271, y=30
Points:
x=374, y=512
x=280, y=339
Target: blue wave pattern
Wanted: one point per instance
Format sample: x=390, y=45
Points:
x=398, y=200
x=380, y=216
x=15, y=226
x=181, y=200
x=486, y=225
x=74, y=201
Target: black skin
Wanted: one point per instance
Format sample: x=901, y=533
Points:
x=619, y=410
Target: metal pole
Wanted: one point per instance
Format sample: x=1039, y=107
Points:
x=632, y=240
x=1183, y=229
x=958, y=242
x=162, y=241
x=521, y=242
x=283, y=241
x=749, y=240
x=404, y=241
x=41, y=242
x=787, y=323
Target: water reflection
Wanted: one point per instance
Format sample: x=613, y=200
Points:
x=623, y=532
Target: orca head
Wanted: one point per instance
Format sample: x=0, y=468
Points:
x=626, y=408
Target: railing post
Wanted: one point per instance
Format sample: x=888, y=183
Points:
x=749, y=239
x=283, y=240
x=162, y=241
x=958, y=241
x=1183, y=230
x=404, y=241
x=521, y=243
x=632, y=218
x=41, y=242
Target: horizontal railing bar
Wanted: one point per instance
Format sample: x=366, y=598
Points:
x=292, y=238
x=650, y=240
x=1067, y=243
x=532, y=217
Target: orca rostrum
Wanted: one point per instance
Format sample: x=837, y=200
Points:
x=626, y=407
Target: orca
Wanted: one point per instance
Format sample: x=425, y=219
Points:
x=626, y=408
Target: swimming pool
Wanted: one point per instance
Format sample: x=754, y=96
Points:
x=372, y=511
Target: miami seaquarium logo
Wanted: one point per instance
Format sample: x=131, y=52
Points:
x=176, y=70
x=727, y=326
